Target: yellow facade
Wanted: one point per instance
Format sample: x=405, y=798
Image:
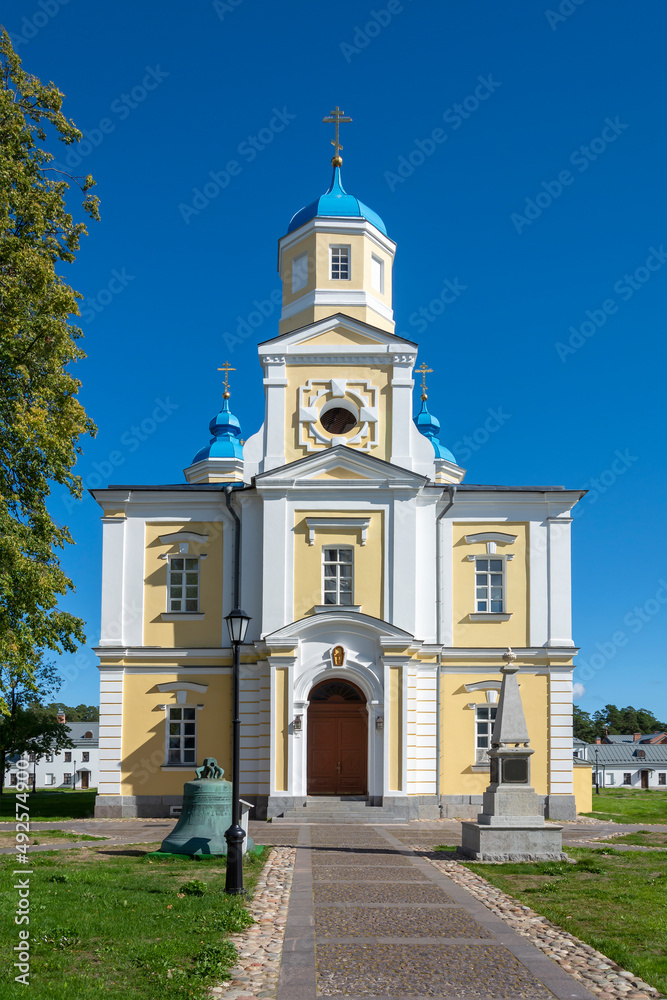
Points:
x=206, y=632
x=583, y=786
x=282, y=728
x=317, y=247
x=491, y=633
x=299, y=375
x=457, y=727
x=368, y=562
x=143, y=770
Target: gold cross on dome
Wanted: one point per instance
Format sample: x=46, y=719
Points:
x=226, y=368
x=335, y=118
x=424, y=372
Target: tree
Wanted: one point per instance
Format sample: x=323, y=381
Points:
x=582, y=725
x=28, y=729
x=82, y=713
x=41, y=419
x=622, y=722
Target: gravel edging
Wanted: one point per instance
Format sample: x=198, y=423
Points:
x=598, y=973
x=259, y=947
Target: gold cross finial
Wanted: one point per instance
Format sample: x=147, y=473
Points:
x=226, y=368
x=424, y=372
x=336, y=117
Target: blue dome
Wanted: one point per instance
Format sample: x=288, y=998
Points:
x=429, y=426
x=226, y=440
x=336, y=202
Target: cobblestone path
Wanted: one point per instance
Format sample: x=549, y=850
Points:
x=369, y=918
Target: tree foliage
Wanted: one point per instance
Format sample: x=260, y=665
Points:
x=80, y=713
x=615, y=721
x=41, y=419
x=27, y=727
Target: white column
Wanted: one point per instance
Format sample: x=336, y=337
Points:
x=560, y=596
x=425, y=751
x=111, y=720
x=275, y=423
x=445, y=572
x=404, y=531
x=113, y=539
x=538, y=629
x=401, y=411
x=133, y=582
x=425, y=572
x=275, y=599
x=560, y=732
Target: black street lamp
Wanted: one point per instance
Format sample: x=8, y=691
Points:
x=237, y=624
x=597, y=773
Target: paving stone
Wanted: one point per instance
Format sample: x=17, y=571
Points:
x=403, y=894
x=370, y=873
x=425, y=970
x=384, y=921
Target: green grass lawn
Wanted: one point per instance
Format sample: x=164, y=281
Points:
x=110, y=920
x=625, y=805
x=8, y=837
x=644, y=838
x=63, y=804
x=616, y=901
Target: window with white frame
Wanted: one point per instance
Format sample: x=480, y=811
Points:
x=299, y=272
x=68, y=756
x=485, y=716
x=85, y=757
x=50, y=779
x=337, y=580
x=340, y=262
x=49, y=758
x=13, y=779
x=67, y=778
x=377, y=273
x=610, y=777
x=627, y=778
x=183, y=587
x=489, y=589
x=181, y=735
x=662, y=778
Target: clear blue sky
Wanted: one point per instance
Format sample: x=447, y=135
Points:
x=540, y=199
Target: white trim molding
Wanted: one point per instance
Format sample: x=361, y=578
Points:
x=183, y=536
x=360, y=524
x=489, y=616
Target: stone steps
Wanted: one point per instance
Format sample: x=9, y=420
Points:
x=338, y=809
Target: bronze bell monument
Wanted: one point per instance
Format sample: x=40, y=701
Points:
x=205, y=816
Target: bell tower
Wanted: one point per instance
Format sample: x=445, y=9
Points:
x=336, y=257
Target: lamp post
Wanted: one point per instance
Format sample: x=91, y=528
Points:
x=597, y=773
x=237, y=624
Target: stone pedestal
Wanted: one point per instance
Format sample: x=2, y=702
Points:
x=511, y=824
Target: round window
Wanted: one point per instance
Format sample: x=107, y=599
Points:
x=338, y=420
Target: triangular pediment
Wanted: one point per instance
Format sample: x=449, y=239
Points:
x=338, y=334
x=339, y=337
x=340, y=472
x=333, y=465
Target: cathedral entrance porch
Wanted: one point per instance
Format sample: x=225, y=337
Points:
x=337, y=740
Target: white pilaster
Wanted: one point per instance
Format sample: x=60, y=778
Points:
x=560, y=732
x=538, y=583
x=560, y=600
x=111, y=710
x=403, y=568
x=133, y=582
x=275, y=599
x=113, y=541
x=445, y=604
x=275, y=423
x=401, y=411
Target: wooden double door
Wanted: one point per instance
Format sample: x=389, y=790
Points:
x=337, y=741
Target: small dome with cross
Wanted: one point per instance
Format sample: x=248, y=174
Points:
x=336, y=202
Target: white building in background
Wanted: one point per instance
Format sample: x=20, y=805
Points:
x=632, y=761
x=75, y=768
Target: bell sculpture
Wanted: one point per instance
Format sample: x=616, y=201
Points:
x=205, y=816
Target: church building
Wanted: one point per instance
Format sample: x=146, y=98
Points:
x=383, y=589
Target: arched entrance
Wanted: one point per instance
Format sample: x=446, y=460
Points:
x=337, y=739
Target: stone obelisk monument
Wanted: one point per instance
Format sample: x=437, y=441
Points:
x=511, y=825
